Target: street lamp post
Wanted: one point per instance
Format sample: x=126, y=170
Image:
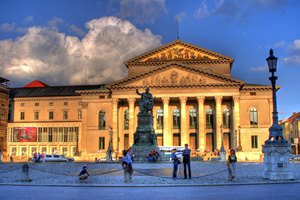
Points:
x=109, y=149
x=276, y=148
x=275, y=129
x=222, y=151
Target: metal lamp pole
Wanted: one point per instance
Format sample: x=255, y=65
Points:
x=275, y=129
x=109, y=149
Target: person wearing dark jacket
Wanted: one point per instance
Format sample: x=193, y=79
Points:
x=186, y=153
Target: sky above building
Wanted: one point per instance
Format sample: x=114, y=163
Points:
x=62, y=42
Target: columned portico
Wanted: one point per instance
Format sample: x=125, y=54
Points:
x=167, y=137
x=218, y=127
x=184, y=136
x=201, y=123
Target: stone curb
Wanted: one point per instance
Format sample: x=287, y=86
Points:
x=150, y=185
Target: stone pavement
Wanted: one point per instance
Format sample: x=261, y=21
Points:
x=153, y=174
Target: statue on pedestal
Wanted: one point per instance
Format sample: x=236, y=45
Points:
x=146, y=102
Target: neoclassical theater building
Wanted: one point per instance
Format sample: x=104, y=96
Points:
x=196, y=101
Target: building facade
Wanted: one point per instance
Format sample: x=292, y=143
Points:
x=196, y=101
x=3, y=113
x=291, y=131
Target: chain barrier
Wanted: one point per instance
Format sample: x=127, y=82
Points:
x=62, y=174
x=10, y=170
x=167, y=177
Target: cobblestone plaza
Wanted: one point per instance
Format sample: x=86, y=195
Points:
x=203, y=173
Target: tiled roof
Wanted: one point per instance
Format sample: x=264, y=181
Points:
x=52, y=91
x=35, y=83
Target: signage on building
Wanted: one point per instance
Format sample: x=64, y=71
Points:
x=25, y=134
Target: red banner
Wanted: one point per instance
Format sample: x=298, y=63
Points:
x=25, y=134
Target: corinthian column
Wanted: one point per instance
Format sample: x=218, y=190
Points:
x=115, y=124
x=167, y=139
x=131, y=102
x=201, y=124
x=236, y=119
x=184, y=135
x=218, y=121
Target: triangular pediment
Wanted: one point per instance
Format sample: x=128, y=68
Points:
x=179, y=51
x=176, y=75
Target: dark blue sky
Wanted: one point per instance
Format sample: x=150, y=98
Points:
x=86, y=41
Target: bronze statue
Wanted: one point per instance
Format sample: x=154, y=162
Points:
x=146, y=102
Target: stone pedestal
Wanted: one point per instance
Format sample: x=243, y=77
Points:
x=144, y=137
x=276, y=161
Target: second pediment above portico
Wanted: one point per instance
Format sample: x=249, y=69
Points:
x=175, y=75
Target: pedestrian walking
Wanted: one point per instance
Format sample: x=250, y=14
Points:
x=83, y=174
x=176, y=162
x=186, y=153
x=231, y=165
x=127, y=166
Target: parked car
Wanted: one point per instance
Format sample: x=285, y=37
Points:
x=54, y=158
x=57, y=158
x=295, y=157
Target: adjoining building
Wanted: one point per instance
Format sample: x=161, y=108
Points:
x=3, y=113
x=291, y=131
x=196, y=101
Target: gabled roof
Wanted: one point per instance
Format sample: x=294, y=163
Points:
x=293, y=117
x=180, y=51
x=222, y=79
x=35, y=84
x=52, y=91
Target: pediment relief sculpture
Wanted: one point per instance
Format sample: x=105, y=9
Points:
x=175, y=78
x=178, y=52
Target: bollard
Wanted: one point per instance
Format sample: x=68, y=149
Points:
x=25, y=171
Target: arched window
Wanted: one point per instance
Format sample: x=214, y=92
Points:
x=176, y=118
x=226, y=118
x=253, y=117
x=209, y=118
x=102, y=120
x=193, y=118
x=126, y=119
x=159, y=119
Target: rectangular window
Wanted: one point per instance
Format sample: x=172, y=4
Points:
x=159, y=119
x=50, y=103
x=36, y=115
x=65, y=103
x=79, y=115
x=254, y=141
x=22, y=104
x=22, y=115
x=101, y=143
x=50, y=115
x=36, y=104
x=65, y=115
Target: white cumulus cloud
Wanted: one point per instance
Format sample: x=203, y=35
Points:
x=56, y=58
x=293, y=54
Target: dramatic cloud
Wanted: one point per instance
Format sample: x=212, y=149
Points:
x=142, y=11
x=56, y=58
x=294, y=54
